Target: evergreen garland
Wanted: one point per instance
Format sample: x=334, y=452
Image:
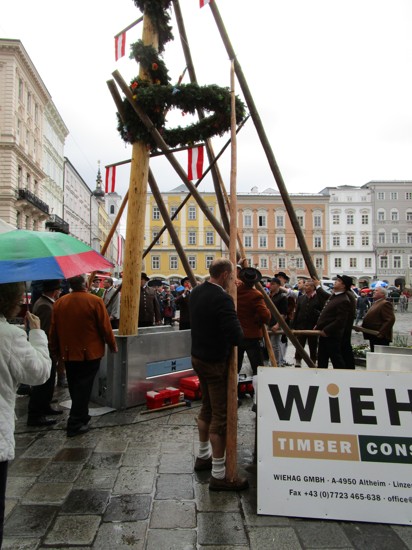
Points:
x=157, y=11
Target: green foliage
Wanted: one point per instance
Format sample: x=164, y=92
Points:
x=361, y=350
x=157, y=11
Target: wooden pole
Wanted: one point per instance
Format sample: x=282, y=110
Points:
x=231, y=431
x=130, y=296
x=265, y=142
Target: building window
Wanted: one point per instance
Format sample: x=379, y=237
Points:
x=28, y=106
x=394, y=196
x=353, y=262
x=280, y=220
x=350, y=219
x=394, y=215
x=192, y=213
x=173, y=262
x=282, y=263
x=20, y=177
x=192, y=261
x=365, y=240
x=191, y=237
x=210, y=237
x=365, y=219
x=317, y=221
x=408, y=196
x=336, y=219
x=21, y=88
x=381, y=196
x=299, y=263
x=409, y=238
x=381, y=215
x=409, y=216
x=350, y=240
x=381, y=237
x=383, y=262
x=263, y=241
x=155, y=213
x=319, y=263
x=368, y=262
x=280, y=241
x=263, y=263
x=112, y=209
x=395, y=237
x=338, y=263
x=397, y=262
x=173, y=210
x=410, y=262
x=247, y=220
x=262, y=220
x=336, y=240
x=248, y=241
x=317, y=242
x=208, y=261
x=300, y=220
x=154, y=236
x=155, y=262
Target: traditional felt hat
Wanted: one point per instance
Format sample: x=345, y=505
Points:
x=346, y=280
x=145, y=277
x=276, y=280
x=50, y=285
x=250, y=275
x=282, y=274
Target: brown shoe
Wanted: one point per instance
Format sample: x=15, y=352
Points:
x=238, y=484
x=203, y=464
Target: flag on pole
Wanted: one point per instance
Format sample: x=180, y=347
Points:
x=195, y=163
x=204, y=2
x=119, y=250
x=120, y=45
x=110, y=179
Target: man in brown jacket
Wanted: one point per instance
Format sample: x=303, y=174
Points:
x=380, y=317
x=79, y=330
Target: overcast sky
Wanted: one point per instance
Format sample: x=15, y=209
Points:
x=331, y=79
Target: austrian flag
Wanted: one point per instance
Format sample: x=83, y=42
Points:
x=204, y=2
x=120, y=45
x=195, y=163
x=110, y=179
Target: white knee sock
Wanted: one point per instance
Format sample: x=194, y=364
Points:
x=204, y=449
x=218, y=468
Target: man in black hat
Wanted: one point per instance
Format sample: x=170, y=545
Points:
x=332, y=322
x=149, y=307
x=183, y=303
x=41, y=396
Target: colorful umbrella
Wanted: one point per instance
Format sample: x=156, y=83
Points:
x=378, y=283
x=34, y=255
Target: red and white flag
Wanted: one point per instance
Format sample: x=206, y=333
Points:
x=204, y=2
x=120, y=45
x=195, y=163
x=110, y=179
x=119, y=250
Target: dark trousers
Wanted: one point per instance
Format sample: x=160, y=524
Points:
x=330, y=348
x=41, y=396
x=114, y=323
x=347, y=351
x=80, y=378
x=252, y=347
x=3, y=481
x=312, y=343
x=375, y=341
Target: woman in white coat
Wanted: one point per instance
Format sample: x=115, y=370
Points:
x=22, y=360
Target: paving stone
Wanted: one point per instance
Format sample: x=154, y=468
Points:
x=73, y=530
x=133, y=480
x=372, y=536
x=95, y=478
x=86, y=501
x=9, y=504
x=111, y=446
x=74, y=454
x=221, y=528
x=18, y=486
x=249, y=505
x=160, y=539
x=224, y=547
x=321, y=534
x=171, y=463
x=17, y=543
x=404, y=532
x=173, y=514
x=121, y=536
x=215, y=501
x=47, y=493
x=42, y=449
x=128, y=508
x=27, y=466
x=104, y=460
x=174, y=486
x=60, y=472
x=29, y=521
x=268, y=538
x=23, y=440
x=141, y=457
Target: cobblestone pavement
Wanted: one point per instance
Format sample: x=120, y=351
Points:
x=129, y=483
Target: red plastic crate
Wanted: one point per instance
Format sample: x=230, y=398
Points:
x=162, y=398
x=190, y=386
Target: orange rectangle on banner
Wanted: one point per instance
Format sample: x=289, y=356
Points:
x=315, y=445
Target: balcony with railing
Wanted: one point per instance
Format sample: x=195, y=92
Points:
x=57, y=224
x=33, y=200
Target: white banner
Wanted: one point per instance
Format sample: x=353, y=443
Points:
x=335, y=444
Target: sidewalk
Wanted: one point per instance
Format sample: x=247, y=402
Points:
x=129, y=484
